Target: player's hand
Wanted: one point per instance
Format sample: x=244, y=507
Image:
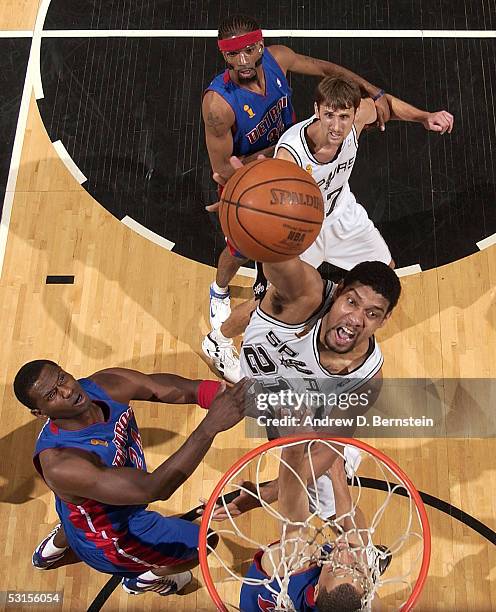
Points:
x=383, y=112
x=244, y=502
x=236, y=164
x=440, y=122
x=228, y=408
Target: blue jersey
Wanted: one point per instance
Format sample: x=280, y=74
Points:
x=116, y=442
x=259, y=599
x=260, y=119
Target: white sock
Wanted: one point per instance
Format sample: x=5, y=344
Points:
x=218, y=289
x=50, y=549
x=147, y=576
x=220, y=338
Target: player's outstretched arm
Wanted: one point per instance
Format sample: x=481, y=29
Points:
x=70, y=473
x=219, y=119
x=124, y=385
x=294, y=280
x=303, y=64
x=439, y=121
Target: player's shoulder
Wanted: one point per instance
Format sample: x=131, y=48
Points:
x=282, y=54
x=214, y=101
x=58, y=462
x=110, y=380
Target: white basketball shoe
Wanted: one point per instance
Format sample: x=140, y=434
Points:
x=224, y=356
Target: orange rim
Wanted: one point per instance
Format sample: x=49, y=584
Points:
x=209, y=508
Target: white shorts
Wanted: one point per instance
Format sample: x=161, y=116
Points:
x=348, y=240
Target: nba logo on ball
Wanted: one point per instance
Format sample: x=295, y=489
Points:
x=271, y=210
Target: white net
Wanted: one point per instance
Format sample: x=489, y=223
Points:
x=393, y=534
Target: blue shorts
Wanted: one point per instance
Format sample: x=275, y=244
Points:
x=150, y=541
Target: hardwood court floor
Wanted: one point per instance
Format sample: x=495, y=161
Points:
x=134, y=304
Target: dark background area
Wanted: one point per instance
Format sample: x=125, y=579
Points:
x=284, y=14
x=128, y=111
x=14, y=54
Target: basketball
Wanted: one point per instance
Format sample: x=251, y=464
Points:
x=271, y=210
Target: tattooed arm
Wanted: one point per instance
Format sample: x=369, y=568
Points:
x=219, y=120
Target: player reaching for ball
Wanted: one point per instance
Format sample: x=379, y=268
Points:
x=326, y=146
x=245, y=111
x=90, y=454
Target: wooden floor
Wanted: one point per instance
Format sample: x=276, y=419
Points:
x=135, y=304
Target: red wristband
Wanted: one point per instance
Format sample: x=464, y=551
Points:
x=207, y=390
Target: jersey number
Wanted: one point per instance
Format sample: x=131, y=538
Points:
x=258, y=360
x=333, y=197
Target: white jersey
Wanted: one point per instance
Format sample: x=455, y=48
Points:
x=284, y=356
x=331, y=177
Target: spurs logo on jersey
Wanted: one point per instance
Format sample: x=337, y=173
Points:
x=280, y=354
x=332, y=177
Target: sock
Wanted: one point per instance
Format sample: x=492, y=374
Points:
x=147, y=577
x=218, y=289
x=50, y=549
x=219, y=337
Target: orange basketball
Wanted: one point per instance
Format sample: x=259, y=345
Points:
x=271, y=210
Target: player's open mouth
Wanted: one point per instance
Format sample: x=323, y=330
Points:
x=345, y=335
x=79, y=400
x=247, y=72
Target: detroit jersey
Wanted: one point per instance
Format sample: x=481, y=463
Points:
x=258, y=598
x=117, y=443
x=260, y=119
x=280, y=354
x=331, y=177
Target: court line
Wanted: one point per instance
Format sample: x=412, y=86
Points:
x=32, y=74
x=147, y=233
x=85, y=33
x=16, y=33
x=486, y=242
x=274, y=33
x=408, y=270
x=37, y=35
x=69, y=163
x=249, y=272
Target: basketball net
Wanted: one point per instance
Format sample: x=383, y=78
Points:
x=318, y=540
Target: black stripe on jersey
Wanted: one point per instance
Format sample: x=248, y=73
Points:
x=353, y=129
x=293, y=152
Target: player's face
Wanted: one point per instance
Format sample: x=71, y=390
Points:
x=245, y=61
x=335, y=123
x=349, y=572
x=58, y=395
x=355, y=315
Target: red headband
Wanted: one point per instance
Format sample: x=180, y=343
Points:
x=236, y=43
